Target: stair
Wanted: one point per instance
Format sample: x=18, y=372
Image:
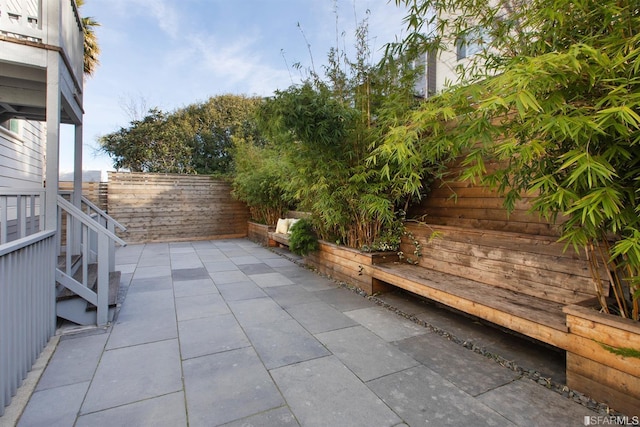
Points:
x=73, y=308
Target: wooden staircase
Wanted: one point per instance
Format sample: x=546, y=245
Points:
x=71, y=307
x=87, y=283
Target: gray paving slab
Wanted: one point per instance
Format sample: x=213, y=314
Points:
x=148, y=303
x=367, y=355
x=129, y=254
x=290, y=348
x=163, y=411
x=220, y=265
x=188, y=288
x=257, y=311
x=288, y=296
x=470, y=371
x=266, y=280
x=422, y=397
x=277, y=262
x=240, y=291
x=181, y=248
x=126, y=268
x=144, y=317
x=297, y=273
x=343, y=299
x=189, y=273
x=209, y=335
x=279, y=417
x=526, y=403
x=323, y=392
x=283, y=343
x=222, y=277
x=227, y=386
x=146, y=328
x=315, y=283
x=132, y=374
x=210, y=253
x=75, y=360
x=244, y=259
x=151, y=260
x=319, y=317
x=54, y=407
x=150, y=284
x=160, y=270
x=386, y=324
x=260, y=268
x=197, y=306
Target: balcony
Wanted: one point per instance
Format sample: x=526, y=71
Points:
x=40, y=42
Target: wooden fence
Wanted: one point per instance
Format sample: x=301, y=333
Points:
x=94, y=191
x=171, y=207
x=465, y=204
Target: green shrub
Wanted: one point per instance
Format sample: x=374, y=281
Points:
x=303, y=239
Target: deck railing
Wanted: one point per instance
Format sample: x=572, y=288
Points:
x=21, y=213
x=106, y=221
x=90, y=231
x=33, y=21
x=27, y=307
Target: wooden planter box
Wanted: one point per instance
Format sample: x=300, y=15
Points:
x=259, y=233
x=350, y=265
x=595, y=371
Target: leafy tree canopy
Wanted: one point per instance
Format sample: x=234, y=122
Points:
x=194, y=139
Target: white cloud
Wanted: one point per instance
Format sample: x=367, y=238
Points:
x=166, y=15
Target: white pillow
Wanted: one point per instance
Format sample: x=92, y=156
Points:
x=282, y=226
x=291, y=222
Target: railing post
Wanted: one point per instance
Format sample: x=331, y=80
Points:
x=112, y=248
x=103, y=280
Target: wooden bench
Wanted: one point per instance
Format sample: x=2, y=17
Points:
x=282, y=239
x=520, y=282
x=276, y=239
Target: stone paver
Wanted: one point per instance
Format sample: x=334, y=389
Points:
x=230, y=333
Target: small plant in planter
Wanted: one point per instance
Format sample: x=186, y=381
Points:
x=303, y=239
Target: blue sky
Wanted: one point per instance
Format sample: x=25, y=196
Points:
x=171, y=53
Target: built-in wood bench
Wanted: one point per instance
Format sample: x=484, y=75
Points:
x=276, y=239
x=282, y=239
x=520, y=282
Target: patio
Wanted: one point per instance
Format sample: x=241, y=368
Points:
x=227, y=332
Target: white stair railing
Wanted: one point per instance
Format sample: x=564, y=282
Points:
x=90, y=229
x=21, y=213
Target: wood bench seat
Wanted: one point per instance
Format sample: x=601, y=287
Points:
x=278, y=238
x=517, y=281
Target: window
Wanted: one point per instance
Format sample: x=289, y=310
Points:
x=471, y=43
x=12, y=124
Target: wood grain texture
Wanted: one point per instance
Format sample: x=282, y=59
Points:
x=172, y=207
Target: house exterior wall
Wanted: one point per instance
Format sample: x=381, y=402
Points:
x=22, y=155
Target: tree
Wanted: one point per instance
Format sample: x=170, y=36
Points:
x=208, y=129
x=553, y=103
x=91, y=47
x=194, y=139
x=325, y=128
x=152, y=144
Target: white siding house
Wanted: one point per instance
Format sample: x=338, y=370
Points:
x=22, y=153
x=45, y=239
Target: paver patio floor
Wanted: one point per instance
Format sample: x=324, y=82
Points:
x=230, y=333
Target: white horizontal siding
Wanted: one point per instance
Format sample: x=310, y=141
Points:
x=21, y=156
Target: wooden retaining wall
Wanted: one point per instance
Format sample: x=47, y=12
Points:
x=465, y=204
x=171, y=207
x=348, y=265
